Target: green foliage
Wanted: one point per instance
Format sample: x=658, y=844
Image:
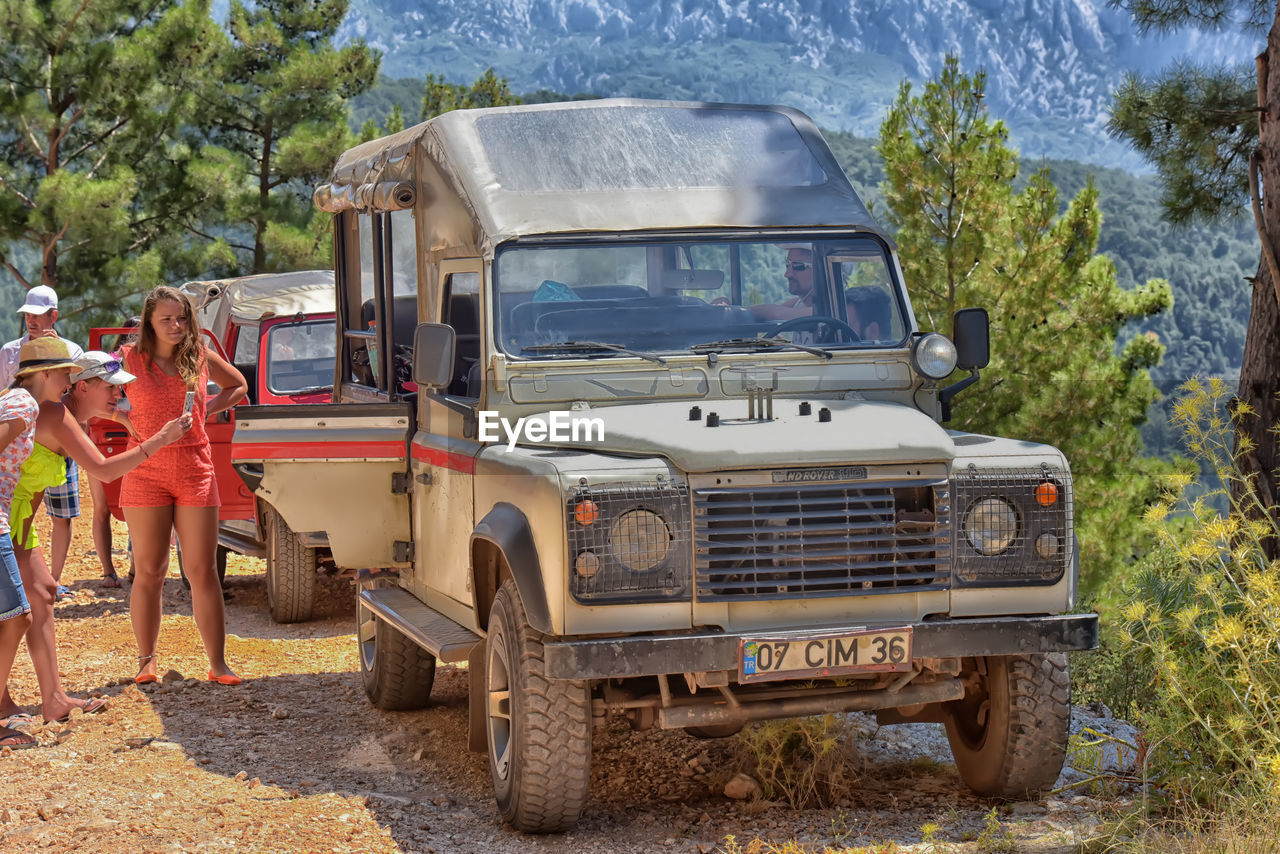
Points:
x=994, y=838
x=95, y=182
x=805, y=762
x=487, y=91
x=1163, y=15
x=1197, y=126
x=968, y=237
x=405, y=94
x=1110, y=675
x=276, y=122
x=1205, y=615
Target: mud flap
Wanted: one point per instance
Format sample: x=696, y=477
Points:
x=477, y=738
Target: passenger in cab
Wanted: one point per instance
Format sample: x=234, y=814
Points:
x=867, y=308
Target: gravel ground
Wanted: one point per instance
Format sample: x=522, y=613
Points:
x=296, y=759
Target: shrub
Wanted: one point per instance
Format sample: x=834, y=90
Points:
x=1205, y=615
x=805, y=762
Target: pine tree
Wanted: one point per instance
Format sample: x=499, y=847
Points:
x=968, y=237
x=277, y=121
x=94, y=181
x=489, y=90
x=1207, y=131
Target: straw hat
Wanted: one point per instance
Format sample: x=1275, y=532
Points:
x=44, y=354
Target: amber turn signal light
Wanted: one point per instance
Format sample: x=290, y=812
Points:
x=586, y=512
x=1047, y=494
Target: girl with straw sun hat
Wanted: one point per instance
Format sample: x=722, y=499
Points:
x=45, y=371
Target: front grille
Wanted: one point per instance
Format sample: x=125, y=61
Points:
x=803, y=541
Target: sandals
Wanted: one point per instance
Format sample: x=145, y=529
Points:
x=225, y=679
x=16, y=739
x=145, y=678
x=91, y=707
x=111, y=579
x=18, y=720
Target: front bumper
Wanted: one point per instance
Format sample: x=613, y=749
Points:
x=653, y=655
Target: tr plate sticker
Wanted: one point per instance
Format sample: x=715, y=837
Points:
x=749, y=651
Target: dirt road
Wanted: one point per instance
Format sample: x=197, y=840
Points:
x=296, y=759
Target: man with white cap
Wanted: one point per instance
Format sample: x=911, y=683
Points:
x=40, y=312
x=95, y=391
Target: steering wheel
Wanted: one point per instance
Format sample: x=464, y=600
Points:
x=817, y=320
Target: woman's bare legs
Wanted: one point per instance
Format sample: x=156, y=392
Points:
x=149, y=529
x=42, y=643
x=198, y=534
x=11, y=632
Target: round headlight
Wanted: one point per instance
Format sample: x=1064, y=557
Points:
x=639, y=539
x=934, y=356
x=991, y=525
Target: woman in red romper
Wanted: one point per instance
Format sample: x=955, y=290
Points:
x=175, y=490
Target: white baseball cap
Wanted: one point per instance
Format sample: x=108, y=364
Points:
x=104, y=366
x=40, y=299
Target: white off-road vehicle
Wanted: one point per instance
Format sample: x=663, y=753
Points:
x=633, y=415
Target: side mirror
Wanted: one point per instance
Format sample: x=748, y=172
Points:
x=971, y=331
x=433, y=347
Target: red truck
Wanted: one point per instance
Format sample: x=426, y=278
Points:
x=278, y=330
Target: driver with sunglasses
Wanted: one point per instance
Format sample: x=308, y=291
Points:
x=799, y=275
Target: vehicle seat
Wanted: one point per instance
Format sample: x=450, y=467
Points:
x=250, y=374
x=464, y=317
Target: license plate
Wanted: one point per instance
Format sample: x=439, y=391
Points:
x=873, y=650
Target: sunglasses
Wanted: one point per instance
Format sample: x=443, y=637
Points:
x=103, y=369
x=799, y=266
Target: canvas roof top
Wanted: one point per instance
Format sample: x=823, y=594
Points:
x=252, y=298
x=611, y=165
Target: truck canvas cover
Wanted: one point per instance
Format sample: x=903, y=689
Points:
x=613, y=165
x=253, y=298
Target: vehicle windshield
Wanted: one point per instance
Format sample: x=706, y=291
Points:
x=673, y=297
x=300, y=356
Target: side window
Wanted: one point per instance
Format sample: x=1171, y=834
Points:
x=868, y=299
x=244, y=357
x=366, y=257
x=246, y=350
x=380, y=327
x=461, y=310
x=404, y=253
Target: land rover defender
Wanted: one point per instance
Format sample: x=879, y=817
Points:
x=632, y=414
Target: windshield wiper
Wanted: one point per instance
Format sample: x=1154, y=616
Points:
x=757, y=344
x=587, y=346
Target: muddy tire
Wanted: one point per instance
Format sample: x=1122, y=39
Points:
x=397, y=673
x=538, y=729
x=1009, y=735
x=291, y=571
x=715, y=731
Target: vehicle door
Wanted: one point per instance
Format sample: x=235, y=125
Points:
x=338, y=472
x=444, y=449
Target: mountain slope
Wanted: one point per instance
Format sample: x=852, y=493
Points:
x=1051, y=63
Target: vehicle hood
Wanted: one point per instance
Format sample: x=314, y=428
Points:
x=860, y=431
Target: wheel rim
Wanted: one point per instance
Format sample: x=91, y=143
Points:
x=366, y=637
x=498, y=695
x=971, y=720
